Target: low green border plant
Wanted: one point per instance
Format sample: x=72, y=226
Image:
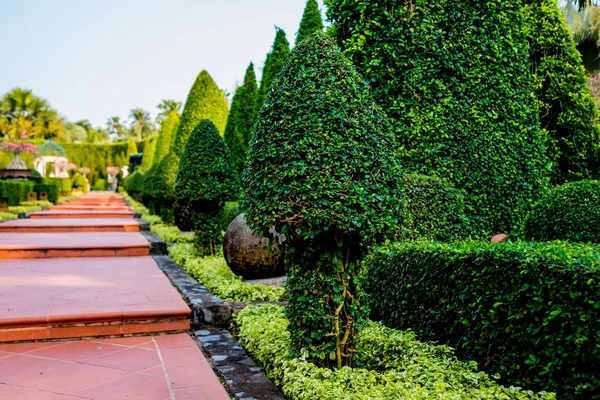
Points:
x=391, y=365
x=214, y=273
x=7, y=216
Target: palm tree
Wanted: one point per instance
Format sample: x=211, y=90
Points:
x=166, y=107
x=25, y=115
x=48, y=124
x=115, y=127
x=141, y=123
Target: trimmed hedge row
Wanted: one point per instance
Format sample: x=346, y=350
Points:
x=391, y=365
x=529, y=312
x=15, y=190
x=569, y=212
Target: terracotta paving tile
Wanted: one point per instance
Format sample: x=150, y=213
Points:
x=70, y=225
x=10, y=392
x=80, y=214
x=127, y=341
x=72, y=240
x=18, y=348
x=77, y=351
x=133, y=386
x=132, y=360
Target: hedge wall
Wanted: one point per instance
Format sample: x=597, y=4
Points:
x=529, y=312
x=455, y=79
x=569, y=212
x=16, y=190
x=50, y=189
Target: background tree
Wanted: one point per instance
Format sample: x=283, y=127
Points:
x=566, y=108
x=205, y=101
x=459, y=93
x=115, y=127
x=311, y=21
x=242, y=117
x=273, y=64
x=167, y=107
x=323, y=171
x=141, y=123
x=205, y=181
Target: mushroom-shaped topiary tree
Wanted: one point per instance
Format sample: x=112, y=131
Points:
x=205, y=181
x=322, y=170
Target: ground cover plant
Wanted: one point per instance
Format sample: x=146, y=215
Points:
x=527, y=311
x=391, y=365
x=455, y=80
x=322, y=171
x=569, y=212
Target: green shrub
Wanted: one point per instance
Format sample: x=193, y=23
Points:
x=16, y=190
x=37, y=203
x=311, y=21
x=569, y=212
x=394, y=366
x=435, y=210
x=100, y=184
x=64, y=185
x=169, y=233
x=526, y=311
x=205, y=101
x=322, y=170
x=567, y=109
x=455, y=80
x=214, y=273
x=7, y=216
x=24, y=209
x=242, y=116
x=205, y=180
x=274, y=62
x=80, y=183
x=164, y=185
x=134, y=184
x=50, y=189
x=167, y=131
x=148, y=155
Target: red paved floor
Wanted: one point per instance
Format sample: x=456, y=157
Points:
x=110, y=292
x=71, y=225
x=67, y=207
x=81, y=214
x=72, y=244
x=149, y=368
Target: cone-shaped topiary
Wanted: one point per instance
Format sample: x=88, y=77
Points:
x=245, y=117
x=567, y=108
x=148, y=187
x=206, y=179
x=322, y=170
x=131, y=148
x=273, y=64
x=205, y=101
x=311, y=21
x=230, y=135
x=455, y=79
x=163, y=185
x=165, y=135
x=148, y=154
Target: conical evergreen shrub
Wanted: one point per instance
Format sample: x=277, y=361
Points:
x=205, y=101
x=148, y=154
x=455, y=79
x=131, y=148
x=245, y=118
x=205, y=180
x=322, y=170
x=273, y=64
x=165, y=135
x=311, y=21
x=567, y=109
x=163, y=186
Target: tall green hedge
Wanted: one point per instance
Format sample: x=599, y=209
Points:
x=166, y=136
x=205, y=181
x=163, y=186
x=455, y=79
x=567, y=108
x=148, y=157
x=16, y=190
x=322, y=170
x=528, y=312
x=240, y=124
x=311, y=21
x=273, y=64
x=50, y=189
x=205, y=101
x=569, y=212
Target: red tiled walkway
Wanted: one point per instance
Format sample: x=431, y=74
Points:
x=104, y=296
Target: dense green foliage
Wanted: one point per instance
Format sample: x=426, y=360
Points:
x=322, y=170
x=569, y=212
x=273, y=64
x=148, y=157
x=205, y=101
x=434, y=209
x=214, y=273
x=131, y=148
x=165, y=136
x=100, y=184
x=50, y=189
x=566, y=106
x=395, y=366
x=454, y=79
x=311, y=21
x=527, y=311
x=79, y=182
x=15, y=190
x=205, y=180
x=134, y=184
x=163, y=186
x=240, y=124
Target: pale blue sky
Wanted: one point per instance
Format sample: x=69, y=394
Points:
x=96, y=58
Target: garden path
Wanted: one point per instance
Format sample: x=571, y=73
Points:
x=85, y=312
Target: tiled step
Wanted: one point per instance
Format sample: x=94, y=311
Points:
x=70, y=225
x=72, y=244
x=80, y=214
x=147, y=367
x=87, y=297
x=89, y=208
